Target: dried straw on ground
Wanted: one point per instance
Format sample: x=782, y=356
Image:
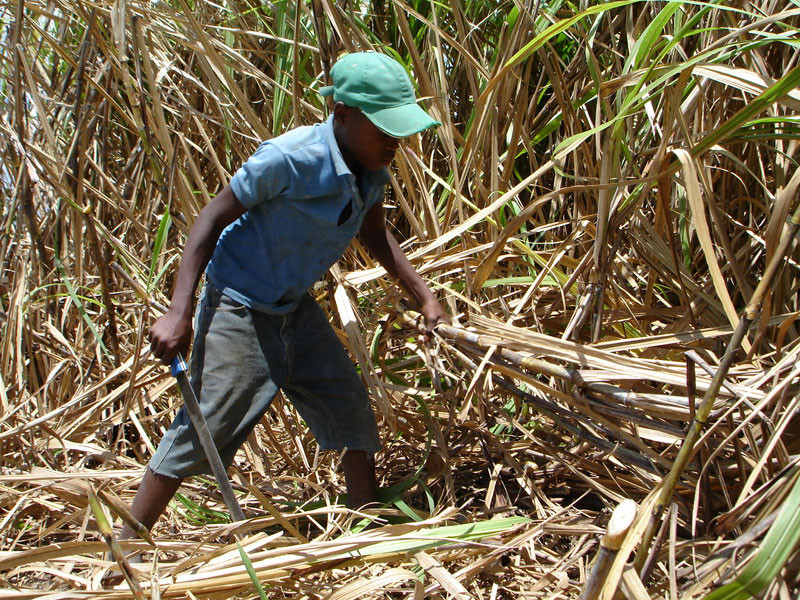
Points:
x=608, y=210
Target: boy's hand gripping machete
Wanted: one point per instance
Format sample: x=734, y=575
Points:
x=199, y=422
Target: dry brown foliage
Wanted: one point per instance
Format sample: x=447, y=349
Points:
x=608, y=211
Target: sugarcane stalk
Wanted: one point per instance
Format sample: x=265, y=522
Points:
x=687, y=449
x=140, y=292
x=695, y=430
x=621, y=520
x=119, y=509
x=25, y=181
x=116, y=551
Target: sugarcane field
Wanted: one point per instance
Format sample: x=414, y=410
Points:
x=573, y=310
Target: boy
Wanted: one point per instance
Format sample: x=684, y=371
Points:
x=286, y=216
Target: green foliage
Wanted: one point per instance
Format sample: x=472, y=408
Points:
x=773, y=552
x=161, y=237
x=251, y=572
x=198, y=513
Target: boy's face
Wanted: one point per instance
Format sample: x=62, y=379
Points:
x=361, y=141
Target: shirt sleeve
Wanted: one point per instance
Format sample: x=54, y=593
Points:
x=263, y=177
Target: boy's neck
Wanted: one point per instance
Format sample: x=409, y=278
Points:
x=349, y=159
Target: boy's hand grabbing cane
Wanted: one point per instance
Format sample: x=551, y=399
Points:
x=434, y=314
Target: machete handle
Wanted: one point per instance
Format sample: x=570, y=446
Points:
x=178, y=366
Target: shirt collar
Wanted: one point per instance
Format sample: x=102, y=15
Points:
x=379, y=177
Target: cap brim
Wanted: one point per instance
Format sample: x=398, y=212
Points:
x=401, y=121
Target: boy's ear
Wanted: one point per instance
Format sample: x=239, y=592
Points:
x=340, y=112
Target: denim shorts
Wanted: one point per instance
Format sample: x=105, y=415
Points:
x=241, y=358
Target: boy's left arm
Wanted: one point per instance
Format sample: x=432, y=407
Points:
x=383, y=246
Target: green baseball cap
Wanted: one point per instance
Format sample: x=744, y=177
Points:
x=380, y=87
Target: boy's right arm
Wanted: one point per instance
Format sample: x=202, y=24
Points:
x=172, y=333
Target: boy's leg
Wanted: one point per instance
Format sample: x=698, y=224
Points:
x=237, y=364
x=154, y=493
x=328, y=393
x=359, y=477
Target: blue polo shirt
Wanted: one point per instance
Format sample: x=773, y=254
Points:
x=304, y=207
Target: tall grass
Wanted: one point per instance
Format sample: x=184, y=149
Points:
x=613, y=192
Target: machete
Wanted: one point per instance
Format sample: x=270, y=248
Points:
x=199, y=422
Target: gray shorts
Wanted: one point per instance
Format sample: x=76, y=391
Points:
x=241, y=358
